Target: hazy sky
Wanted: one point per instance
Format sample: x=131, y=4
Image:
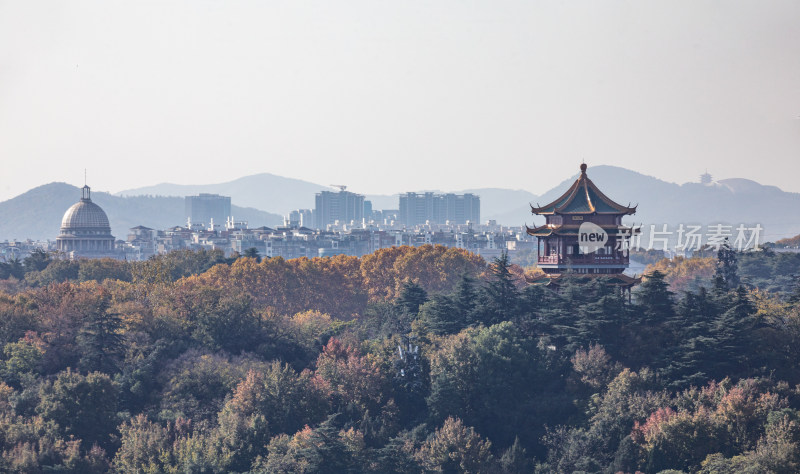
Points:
x=391, y=96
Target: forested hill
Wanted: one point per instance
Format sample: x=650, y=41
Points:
x=37, y=213
x=408, y=360
x=789, y=242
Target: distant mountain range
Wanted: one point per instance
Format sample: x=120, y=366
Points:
x=37, y=213
x=260, y=191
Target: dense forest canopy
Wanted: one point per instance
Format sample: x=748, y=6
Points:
x=406, y=360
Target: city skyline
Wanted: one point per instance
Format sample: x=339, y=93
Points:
x=397, y=96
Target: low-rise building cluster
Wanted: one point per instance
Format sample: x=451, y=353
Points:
x=292, y=241
x=19, y=250
x=342, y=225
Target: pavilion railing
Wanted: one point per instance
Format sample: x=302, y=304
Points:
x=583, y=260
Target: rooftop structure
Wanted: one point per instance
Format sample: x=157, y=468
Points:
x=85, y=231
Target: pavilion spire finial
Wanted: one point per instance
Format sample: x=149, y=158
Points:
x=583, y=168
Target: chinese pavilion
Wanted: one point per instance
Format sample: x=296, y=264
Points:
x=583, y=234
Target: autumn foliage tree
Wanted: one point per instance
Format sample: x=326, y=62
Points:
x=411, y=359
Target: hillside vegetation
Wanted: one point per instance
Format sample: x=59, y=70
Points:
x=406, y=360
x=790, y=242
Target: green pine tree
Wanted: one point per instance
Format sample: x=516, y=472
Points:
x=412, y=296
x=101, y=339
x=727, y=271
x=689, y=363
x=252, y=252
x=731, y=337
x=501, y=299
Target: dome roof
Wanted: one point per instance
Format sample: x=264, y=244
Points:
x=85, y=214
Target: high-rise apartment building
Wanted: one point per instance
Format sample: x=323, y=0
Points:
x=204, y=207
x=419, y=208
x=344, y=207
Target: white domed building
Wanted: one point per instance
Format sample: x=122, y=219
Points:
x=85, y=231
